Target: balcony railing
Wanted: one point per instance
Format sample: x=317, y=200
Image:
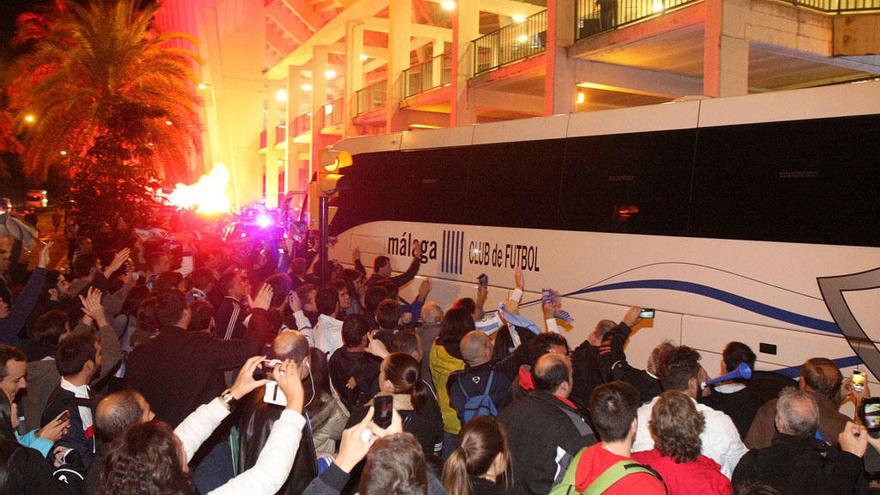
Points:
x=301, y=124
x=511, y=43
x=596, y=16
x=331, y=114
x=427, y=75
x=372, y=97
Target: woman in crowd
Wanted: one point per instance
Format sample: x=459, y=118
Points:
x=445, y=359
x=480, y=465
x=400, y=376
x=675, y=427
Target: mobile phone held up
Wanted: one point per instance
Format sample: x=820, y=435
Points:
x=483, y=280
x=646, y=313
x=870, y=414
x=263, y=370
x=383, y=410
x=858, y=381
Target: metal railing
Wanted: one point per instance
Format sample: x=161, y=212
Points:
x=427, y=75
x=597, y=16
x=371, y=97
x=511, y=43
x=331, y=114
x=301, y=124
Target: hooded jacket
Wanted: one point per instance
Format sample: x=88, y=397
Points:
x=363, y=367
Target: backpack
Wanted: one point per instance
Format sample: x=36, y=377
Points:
x=606, y=480
x=478, y=405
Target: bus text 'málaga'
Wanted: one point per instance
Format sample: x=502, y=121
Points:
x=479, y=253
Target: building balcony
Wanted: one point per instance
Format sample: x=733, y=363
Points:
x=511, y=43
x=428, y=75
x=371, y=97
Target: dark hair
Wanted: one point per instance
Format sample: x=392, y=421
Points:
x=395, y=466
x=349, y=276
x=467, y=304
x=354, y=328
x=9, y=353
x=73, y=352
x=823, y=376
x=677, y=367
x=755, y=489
x=227, y=280
x=202, y=312
x=735, y=353
x=167, y=281
x=480, y=441
x=549, y=378
x=374, y=295
x=144, y=460
x=405, y=341
x=676, y=426
x=119, y=410
x=379, y=262
x=391, y=289
x=303, y=292
x=613, y=407
x=169, y=309
x=404, y=373
x=388, y=314
x=83, y=264
x=201, y=279
x=297, y=267
x=49, y=327
x=133, y=300
x=541, y=344
x=281, y=285
x=457, y=322
x=327, y=300
x=8, y=441
x=146, y=315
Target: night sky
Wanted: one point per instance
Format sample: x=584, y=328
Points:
x=9, y=11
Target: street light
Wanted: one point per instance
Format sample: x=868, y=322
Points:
x=30, y=118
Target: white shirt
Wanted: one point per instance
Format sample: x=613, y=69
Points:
x=80, y=392
x=720, y=438
x=328, y=334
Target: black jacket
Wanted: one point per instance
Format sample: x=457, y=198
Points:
x=363, y=367
x=76, y=438
x=177, y=371
x=538, y=426
x=30, y=473
x=614, y=366
x=426, y=425
x=800, y=466
x=742, y=406
x=255, y=425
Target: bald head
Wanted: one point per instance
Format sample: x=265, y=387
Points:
x=291, y=345
x=797, y=413
x=432, y=313
x=553, y=374
x=476, y=348
x=118, y=411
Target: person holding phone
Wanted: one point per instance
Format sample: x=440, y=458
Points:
x=401, y=389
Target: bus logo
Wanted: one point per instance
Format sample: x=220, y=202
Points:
x=833, y=289
x=452, y=248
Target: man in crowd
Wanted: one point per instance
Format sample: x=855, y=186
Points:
x=545, y=430
x=680, y=370
x=353, y=370
x=382, y=268
x=613, y=407
x=796, y=462
x=820, y=378
x=479, y=379
x=327, y=334
x=231, y=313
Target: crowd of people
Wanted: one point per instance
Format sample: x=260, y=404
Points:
x=143, y=365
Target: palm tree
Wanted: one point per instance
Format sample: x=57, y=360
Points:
x=93, y=63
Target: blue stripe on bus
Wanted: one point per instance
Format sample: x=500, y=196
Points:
x=724, y=296
x=795, y=371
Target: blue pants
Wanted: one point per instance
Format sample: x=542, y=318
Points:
x=215, y=469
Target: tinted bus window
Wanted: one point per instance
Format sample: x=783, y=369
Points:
x=515, y=184
x=432, y=185
x=635, y=183
x=809, y=181
x=367, y=191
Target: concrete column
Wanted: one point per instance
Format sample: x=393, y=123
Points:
x=400, y=15
x=560, y=90
x=295, y=97
x=465, y=28
x=354, y=73
x=437, y=65
x=726, y=49
x=319, y=98
x=275, y=110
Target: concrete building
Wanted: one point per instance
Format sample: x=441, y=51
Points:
x=284, y=78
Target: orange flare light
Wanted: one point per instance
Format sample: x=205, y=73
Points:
x=207, y=195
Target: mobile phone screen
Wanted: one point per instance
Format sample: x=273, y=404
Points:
x=383, y=410
x=872, y=414
x=646, y=313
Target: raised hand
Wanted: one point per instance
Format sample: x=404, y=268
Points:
x=244, y=382
x=43, y=261
x=91, y=305
x=287, y=376
x=264, y=297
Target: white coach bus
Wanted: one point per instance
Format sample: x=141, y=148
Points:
x=720, y=213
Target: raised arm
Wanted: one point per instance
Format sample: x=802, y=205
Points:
x=413, y=270
x=27, y=300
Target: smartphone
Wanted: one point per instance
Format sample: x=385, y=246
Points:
x=858, y=380
x=483, y=280
x=383, y=409
x=870, y=414
x=263, y=371
x=647, y=313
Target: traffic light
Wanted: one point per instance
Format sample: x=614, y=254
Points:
x=329, y=162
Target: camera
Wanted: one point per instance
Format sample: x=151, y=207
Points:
x=870, y=414
x=264, y=370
